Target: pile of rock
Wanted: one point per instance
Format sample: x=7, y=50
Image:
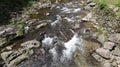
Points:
x=13, y=58
x=6, y=34
x=109, y=54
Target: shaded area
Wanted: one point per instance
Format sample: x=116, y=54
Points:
x=10, y=6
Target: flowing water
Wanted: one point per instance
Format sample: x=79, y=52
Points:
x=63, y=37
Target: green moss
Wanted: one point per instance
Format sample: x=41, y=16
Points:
x=118, y=13
x=99, y=31
x=21, y=29
x=112, y=2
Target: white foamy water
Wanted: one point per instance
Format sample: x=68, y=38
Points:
x=47, y=41
x=71, y=46
x=54, y=53
x=74, y=43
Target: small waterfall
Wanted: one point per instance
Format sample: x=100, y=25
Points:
x=63, y=52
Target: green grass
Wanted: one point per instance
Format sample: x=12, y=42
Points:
x=113, y=2
x=118, y=3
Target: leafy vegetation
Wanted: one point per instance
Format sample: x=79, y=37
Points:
x=118, y=3
x=102, y=5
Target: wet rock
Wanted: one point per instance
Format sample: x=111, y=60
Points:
x=87, y=18
x=13, y=58
x=27, y=28
x=41, y=25
x=9, y=47
x=4, y=55
x=97, y=57
x=116, y=52
x=103, y=52
x=109, y=45
x=115, y=38
x=17, y=60
x=76, y=26
x=7, y=31
x=31, y=44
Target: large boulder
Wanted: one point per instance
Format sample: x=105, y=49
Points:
x=31, y=44
x=109, y=45
x=103, y=52
x=6, y=34
x=116, y=51
x=115, y=38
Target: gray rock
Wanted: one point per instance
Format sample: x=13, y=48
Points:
x=109, y=45
x=4, y=55
x=92, y=4
x=97, y=57
x=103, y=52
x=41, y=25
x=30, y=44
x=111, y=6
x=89, y=1
x=88, y=17
x=115, y=38
x=13, y=58
x=87, y=7
x=116, y=9
x=7, y=31
x=116, y=52
x=107, y=64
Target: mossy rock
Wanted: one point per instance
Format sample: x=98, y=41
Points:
x=21, y=30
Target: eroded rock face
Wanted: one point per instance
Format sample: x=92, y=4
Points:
x=115, y=38
x=109, y=53
x=30, y=44
x=103, y=52
x=88, y=17
x=6, y=34
x=109, y=45
x=13, y=58
x=116, y=51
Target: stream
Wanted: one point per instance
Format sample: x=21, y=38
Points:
x=63, y=41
